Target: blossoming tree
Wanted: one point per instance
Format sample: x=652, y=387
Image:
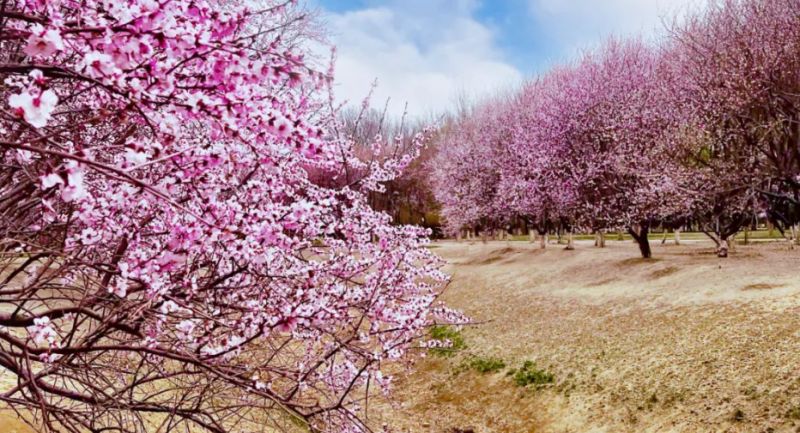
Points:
x=740, y=69
x=167, y=262
x=702, y=127
x=585, y=146
x=466, y=174
x=614, y=142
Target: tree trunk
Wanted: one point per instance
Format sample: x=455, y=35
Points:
x=531, y=235
x=458, y=235
x=795, y=234
x=722, y=244
x=485, y=236
x=640, y=236
x=543, y=239
x=600, y=239
x=722, y=249
x=677, y=236
x=570, y=241
x=664, y=239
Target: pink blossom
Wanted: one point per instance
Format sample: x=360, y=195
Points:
x=75, y=188
x=51, y=180
x=186, y=327
x=288, y=324
x=119, y=288
x=99, y=64
x=36, y=110
x=90, y=236
x=42, y=331
x=49, y=358
x=44, y=43
x=169, y=307
x=135, y=157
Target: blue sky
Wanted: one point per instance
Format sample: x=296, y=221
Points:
x=431, y=53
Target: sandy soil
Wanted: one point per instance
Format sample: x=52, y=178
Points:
x=685, y=342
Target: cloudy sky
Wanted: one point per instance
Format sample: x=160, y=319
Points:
x=430, y=53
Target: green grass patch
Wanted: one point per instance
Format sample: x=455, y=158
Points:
x=485, y=365
x=450, y=336
x=529, y=374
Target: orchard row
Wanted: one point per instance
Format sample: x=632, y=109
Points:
x=702, y=126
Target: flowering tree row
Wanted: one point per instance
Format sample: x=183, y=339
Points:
x=408, y=198
x=702, y=126
x=169, y=259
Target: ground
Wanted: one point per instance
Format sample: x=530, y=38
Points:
x=685, y=342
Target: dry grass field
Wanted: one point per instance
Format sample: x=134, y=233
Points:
x=10, y=424
x=685, y=342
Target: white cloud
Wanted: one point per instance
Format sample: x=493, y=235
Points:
x=425, y=53
x=578, y=24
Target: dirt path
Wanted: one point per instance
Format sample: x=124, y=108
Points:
x=682, y=343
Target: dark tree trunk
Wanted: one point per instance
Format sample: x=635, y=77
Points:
x=640, y=236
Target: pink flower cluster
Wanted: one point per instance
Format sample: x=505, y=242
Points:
x=159, y=154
